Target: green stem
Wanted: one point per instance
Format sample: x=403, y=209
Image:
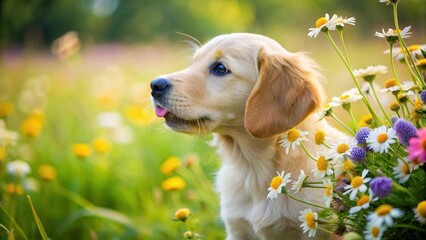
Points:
x=378, y=102
x=306, y=151
x=367, y=103
x=398, y=187
x=395, y=75
x=325, y=230
x=417, y=76
x=308, y=203
x=342, y=124
x=410, y=227
x=353, y=119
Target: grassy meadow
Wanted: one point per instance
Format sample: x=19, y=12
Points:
x=95, y=149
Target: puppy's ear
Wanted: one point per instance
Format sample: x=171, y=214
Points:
x=285, y=93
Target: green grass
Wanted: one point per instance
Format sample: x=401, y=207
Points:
x=116, y=195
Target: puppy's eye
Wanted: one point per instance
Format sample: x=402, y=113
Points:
x=219, y=69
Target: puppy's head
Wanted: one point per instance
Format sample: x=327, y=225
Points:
x=239, y=80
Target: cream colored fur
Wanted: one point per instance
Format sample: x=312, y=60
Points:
x=268, y=91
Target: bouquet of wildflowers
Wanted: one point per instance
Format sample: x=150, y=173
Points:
x=375, y=184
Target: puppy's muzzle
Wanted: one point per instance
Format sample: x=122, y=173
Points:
x=160, y=87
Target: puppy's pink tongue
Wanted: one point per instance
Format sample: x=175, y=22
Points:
x=160, y=112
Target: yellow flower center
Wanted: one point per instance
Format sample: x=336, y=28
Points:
x=363, y=200
x=348, y=165
x=384, y=210
x=405, y=169
x=319, y=137
x=375, y=231
x=342, y=148
x=421, y=61
x=170, y=165
x=413, y=47
x=357, y=181
x=418, y=104
x=382, y=138
x=326, y=106
x=310, y=220
x=293, y=135
x=328, y=190
x=322, y=163
x=421, y=209
x=276, y=182
x=182, y=214
x=395, y=106
x=321, y=21
x=344, y=97
x=390, y=83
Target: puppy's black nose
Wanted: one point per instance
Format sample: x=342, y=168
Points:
x=159, y=87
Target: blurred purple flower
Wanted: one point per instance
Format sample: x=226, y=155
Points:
x=381, y=186
x=362, y=135
x=405, y=131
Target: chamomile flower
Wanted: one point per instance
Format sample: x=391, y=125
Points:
x=323, y=24
x=339, y=151
x=391, y=86
x=323, y=167
x=384, y=215
x=357, y=184
x=374, y=232
x=381, y=138
x=370, y=72
x=349, y=96
x=340, y=21
x=403, y=171
x=363, y=202
x=415, y=51
x=391, y=35
x=298, y=184
x=292, y=138
x=345, y=166
x=420, y=212
x=327, y=109
x=277, y=184
x=18, y=168
x=310, y=221
x=328, y=196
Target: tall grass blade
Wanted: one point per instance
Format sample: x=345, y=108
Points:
x=37, y=219
x=14, y=224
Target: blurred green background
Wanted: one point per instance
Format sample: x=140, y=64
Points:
x=92, y=83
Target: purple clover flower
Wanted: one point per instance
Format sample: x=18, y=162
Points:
x=423, y=96
x=357, y=155
x=381, y=186
x=405, y=131
x=362, y=135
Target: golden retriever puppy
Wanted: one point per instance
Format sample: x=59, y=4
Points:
x=248, y=90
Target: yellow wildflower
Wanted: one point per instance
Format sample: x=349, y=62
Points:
x=81, y=150
x=6, y=108
x=170, y=165
x=182, y=214
x=173, y=184
x=47, y=172
x=101, y=145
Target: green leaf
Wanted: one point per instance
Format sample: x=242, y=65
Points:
x=37, y=219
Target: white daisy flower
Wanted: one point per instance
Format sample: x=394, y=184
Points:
x=292, y=138
x=18, y=168
x=391, y=33
x=415, y=51
x=385, y=1
x=340, y=21
x=277, y=184
x=403, y=170
x=327, y=109
x=349, y=96
x=384, y=215
x=297, y=185
x=370, y=71
x=381, y=138
x=323, y=168
x=310, y=221
x=374, y=232
x=363, y=202
x=328, y=197
x=339, y=151
x=322, y=22
x=420, y=212
x=343, y=166
x=392, y=86
x=357, y=184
